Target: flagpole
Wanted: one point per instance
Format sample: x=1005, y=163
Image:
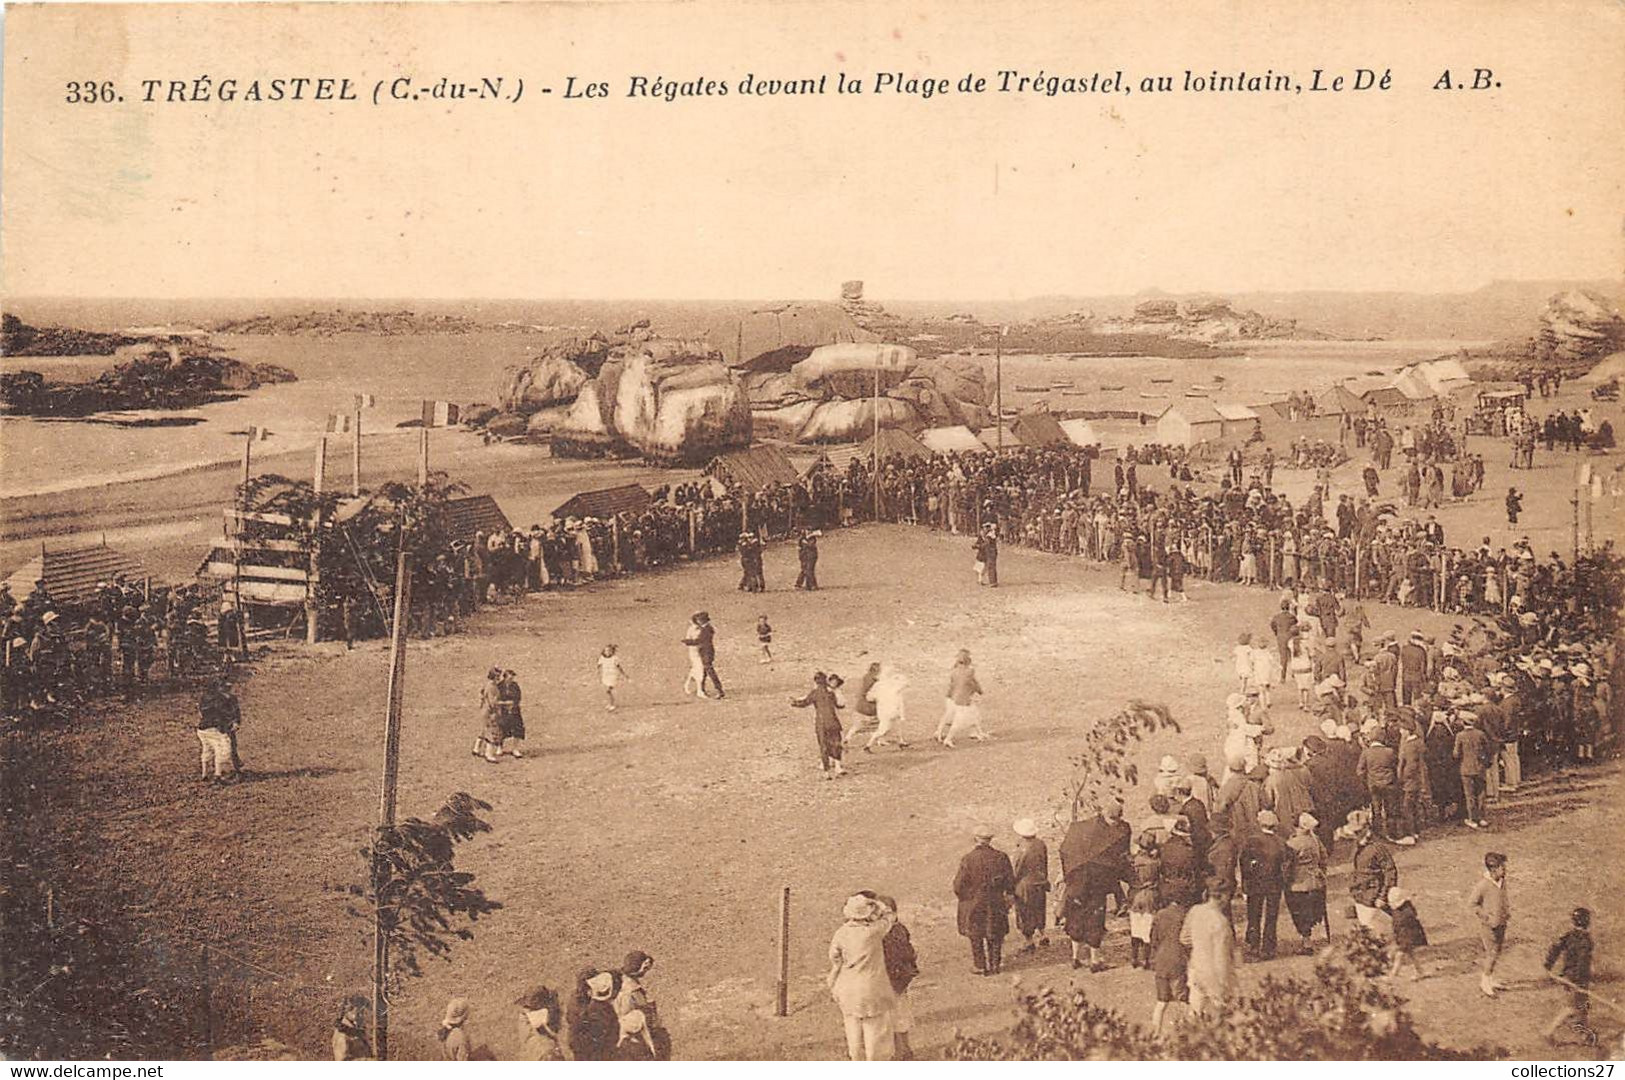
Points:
x=356, y=462
x=423, y=457
x=875, y=438
x=998, y=386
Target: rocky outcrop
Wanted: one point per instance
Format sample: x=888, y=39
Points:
x=338, y=321
x=150, y=375
x=549, y=380
x=17, y=338
x=667, y=400
x=1207, y=320
x=1577, y=329
x=828, y=395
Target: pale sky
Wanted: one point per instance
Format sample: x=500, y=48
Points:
x=990, y=196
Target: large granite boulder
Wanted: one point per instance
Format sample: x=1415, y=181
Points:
x=668, y=400
x=550, y=379
x=850, y=421
x=828, y=395
x=849, y=370
x=783, y=421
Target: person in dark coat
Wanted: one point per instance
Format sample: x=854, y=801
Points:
x=707, y=645
x=984, y=885
x=1032, y=883
x=592, y=1028
x=1199, y=835
x=1263, y=859
x=826, y=724
x=1094, y=864
x=1182, y=868
x=807, y=554
x=1444, y=778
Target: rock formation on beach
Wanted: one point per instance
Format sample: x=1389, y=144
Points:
x=829, y=395
x=17, y=338
x=148, y=375
x=625, y=393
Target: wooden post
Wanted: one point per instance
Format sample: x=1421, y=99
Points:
x=50, y=908
x=313, y=584
x=207, y=1004
x=693, y=531
x=248, y=455
x=386, y=795
x=1575, y=502
x=1589, y=501
x=998, y=387
x=355, y=483
x=615, y=540
x=423, y=457
x=781, y=1004
x=874, y=440
x=1359, y=552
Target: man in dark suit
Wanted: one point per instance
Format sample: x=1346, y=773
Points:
x=807, y=553
x=708, y=654
x=984, y=887
x=1263, y=878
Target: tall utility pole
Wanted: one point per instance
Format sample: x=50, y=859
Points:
x=386, y=794
x=998, y=386
x=355, y=484
x=313, y=582
x=1575, y=502
x=875, y=438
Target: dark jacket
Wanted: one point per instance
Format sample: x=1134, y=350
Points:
x=1373, y=873
x=902, y=962
x=1264, y=857
x=983, y=886
x=1378, y=767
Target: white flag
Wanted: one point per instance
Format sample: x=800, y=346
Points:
x=338, y=423
x=439, y=414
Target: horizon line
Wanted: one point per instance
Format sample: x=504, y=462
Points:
x=781, y=298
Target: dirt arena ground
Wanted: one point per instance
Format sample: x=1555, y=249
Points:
x=671, y=825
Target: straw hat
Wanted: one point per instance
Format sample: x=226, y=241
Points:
x=1025, y=827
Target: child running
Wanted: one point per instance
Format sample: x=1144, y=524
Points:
x=610, y=674
x=764, y=636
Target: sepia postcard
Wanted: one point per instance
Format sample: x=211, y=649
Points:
x=811, y=530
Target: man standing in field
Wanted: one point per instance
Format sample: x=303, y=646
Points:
x=984, y=886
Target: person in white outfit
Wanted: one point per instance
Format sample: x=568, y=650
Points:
x=696, y=667
x=610, y=675
x=887, y=694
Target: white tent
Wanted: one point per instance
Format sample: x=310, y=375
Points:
x=950, y=440
x=1186, y=423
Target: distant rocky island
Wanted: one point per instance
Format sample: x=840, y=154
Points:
x=159, y=373
x=338, y=321
x=17, y=338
